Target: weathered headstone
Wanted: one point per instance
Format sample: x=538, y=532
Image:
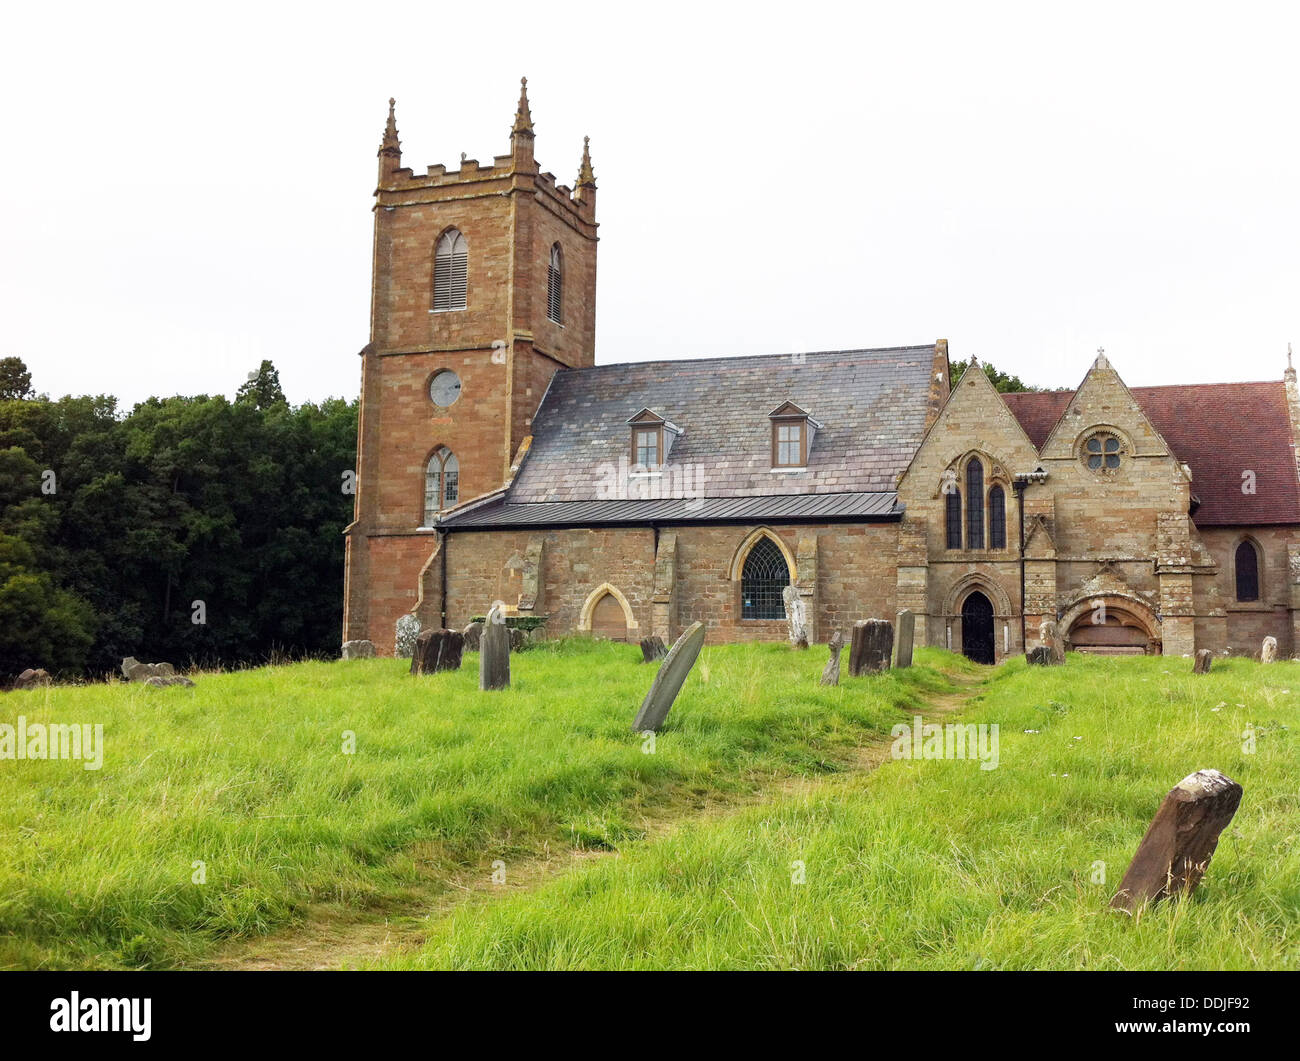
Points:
x=494, y=650
x=136, y=671
x=1268, y=651
x=1204, y=657
x=904, y=636
x=33, y=677
x=437, y=650
x=831, y=673
x=668, y=681
x=1050, y=635
x=518, y=639
x=1039, y=656
x=405, y=633
x=653, y=648
x=358, y=650
x=473, y=635
x=1176, y=849
x=796, y=616
x=873, y=643
x=162, y=681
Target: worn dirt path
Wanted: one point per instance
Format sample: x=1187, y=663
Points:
x=333, y=936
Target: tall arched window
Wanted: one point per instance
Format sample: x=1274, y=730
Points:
x=555, y=286
x=975, y=504
x=762, y=579
x=450, y=272
x=953, y=512
x=441, y=483
x=997, y=518
x=1246, y=565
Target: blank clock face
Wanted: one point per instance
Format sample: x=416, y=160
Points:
x=445, y=389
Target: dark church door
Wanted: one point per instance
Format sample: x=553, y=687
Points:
x=977, y=628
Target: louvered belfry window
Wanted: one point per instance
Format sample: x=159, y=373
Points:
x=953, y=502
x=555, y=286
x=975, y=505
x=997, y=518
x=450, y=272
x=762, y=579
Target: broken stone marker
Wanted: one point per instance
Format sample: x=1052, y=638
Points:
x=1176, y=849
x=1050, y=636
x=796, y=616
x=31, y=678
x=473, y=635
x=1204, y=657
x=404, y=635
x=668, y=682
x=873, y=643
x=1041, y=656
x=437, y=650
x=358, y=650
x=494, y=650
x=1268, y=651
x=653, y=648
x=905, y=636
x=161, y=681
x=831, y=674
x=136, y=671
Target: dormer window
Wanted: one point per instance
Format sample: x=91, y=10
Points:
x=652, y=438
x=792, y=435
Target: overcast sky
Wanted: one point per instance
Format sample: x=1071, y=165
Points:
x=187, y=190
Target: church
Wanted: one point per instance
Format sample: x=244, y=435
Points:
x=497, y=461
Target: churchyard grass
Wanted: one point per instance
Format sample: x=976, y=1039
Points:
x=937, y=864
x=226, y=810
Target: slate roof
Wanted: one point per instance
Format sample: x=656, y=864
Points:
x=1219, y=430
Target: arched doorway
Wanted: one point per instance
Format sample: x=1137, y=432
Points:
x=608, y=620
x=977, y=627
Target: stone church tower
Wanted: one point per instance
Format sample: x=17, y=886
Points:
x=484, y=285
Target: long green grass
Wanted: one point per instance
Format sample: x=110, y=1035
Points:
x=247, y=774
x=937, y=864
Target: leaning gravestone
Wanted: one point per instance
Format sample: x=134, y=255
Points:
x=668, y=682
x=796, y=616
x=358, y=650
x=1268, y=651
x=1204, y=657
x=653, y=648
x=494, y=650
x=873, y=643
x=405, y=633
x=1040, y=657
x=1176, y=849
x=1050, y=636
x=437, y=650
x=473, y=635
x=905, y=635
x=32, y=677
x=831, y=674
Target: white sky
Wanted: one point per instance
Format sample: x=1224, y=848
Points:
x=187, y=190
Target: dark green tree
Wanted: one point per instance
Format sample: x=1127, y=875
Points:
x=1003, y=382
x=262, y=388
x=15, y=380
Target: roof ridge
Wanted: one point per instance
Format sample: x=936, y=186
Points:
x=751, y=357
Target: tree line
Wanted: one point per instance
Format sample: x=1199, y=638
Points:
x=195, y=530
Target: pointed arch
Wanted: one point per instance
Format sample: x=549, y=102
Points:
x=997, y=517
x=1247, y=570
x=742, y=553
x=606, y=589
x=975, y=503
x=555, y=285
x=450, y=272
x=441, y=483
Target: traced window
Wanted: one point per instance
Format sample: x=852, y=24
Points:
x=997, y=518
x=441, y=483
x=450, y=272
x=1246, y=565
x=1101, y=452
x=762, y=579
x=975, y=504
x=954, y=517
x=555, y=286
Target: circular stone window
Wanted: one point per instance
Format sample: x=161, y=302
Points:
x=1101, y=452
x=444, y=389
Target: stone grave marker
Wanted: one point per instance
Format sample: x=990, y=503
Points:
x=796, y=617
x=494, y=650
x=668, y=681
x=1268, y=650
x=358, y=650
x=872, y=645
x=653, y=648
x=1050, y=636
x=32, y=677
x=473, y=633
x=1204, y=657
x=904, y=636
x=831, y=673
x=437, y=650
x=1040, y=656
x=405, y=633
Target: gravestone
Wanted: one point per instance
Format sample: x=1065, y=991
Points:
x=1268, y=651
x=473, y=633
x=358, y=650
x=1204, y=657
x=1050, y=636
x=1176, y=849
x=905, y=635
x=162, y=681
x=136, y=671
x=405, y=633
x=437, y=650
x=494, y=650
x=796, y=617
x=518, y=639
x=653, y=648
x=831, y=673
x=872, y=645
x=32, y=677
x=668, y=681
x=1040, y=656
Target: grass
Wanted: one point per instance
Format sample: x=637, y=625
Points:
x=940, y=865
x=246, y=774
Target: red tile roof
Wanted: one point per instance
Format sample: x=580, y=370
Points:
x=1220, y=430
